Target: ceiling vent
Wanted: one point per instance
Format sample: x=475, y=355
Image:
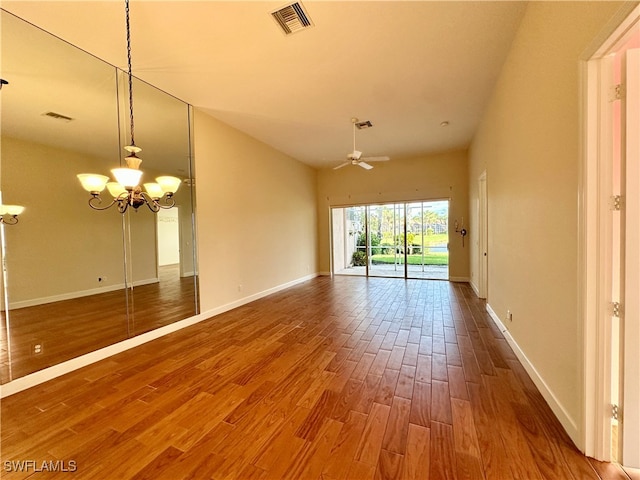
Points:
x=363, y=125
x=292, y=18
x=57, y=116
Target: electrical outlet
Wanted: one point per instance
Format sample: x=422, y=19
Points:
x=37, y=349
x=509, y=316
x=240, y=287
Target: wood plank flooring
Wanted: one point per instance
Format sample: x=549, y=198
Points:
x=70, y=328
x=344, y=378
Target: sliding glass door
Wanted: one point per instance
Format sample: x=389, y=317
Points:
x=405, y=240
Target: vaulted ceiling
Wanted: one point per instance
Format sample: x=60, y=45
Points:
x=405, y=66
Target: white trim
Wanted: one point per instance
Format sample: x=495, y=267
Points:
x=82, y=293
x=459, y=279
x=630, y=435
x=63, y=368
x=569, y=424
x=474, y=288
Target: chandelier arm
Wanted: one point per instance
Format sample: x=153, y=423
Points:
x=12, y=220
x=123, y=204
x=169, y=202
x=152, y=204
x=95, y=201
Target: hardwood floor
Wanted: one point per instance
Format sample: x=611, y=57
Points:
x=344, y=378
x=70, y=328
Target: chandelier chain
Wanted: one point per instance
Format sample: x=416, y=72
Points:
x=129, y=72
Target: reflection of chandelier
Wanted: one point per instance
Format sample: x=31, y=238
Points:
x=11, y=212
x=126, y=190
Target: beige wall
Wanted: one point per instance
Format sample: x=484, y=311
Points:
x=256, y=215
x=60, y=246
x=528, y=143
x=441, y=176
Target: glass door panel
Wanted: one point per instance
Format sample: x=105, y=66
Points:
x=386, y=240
x=428, y=240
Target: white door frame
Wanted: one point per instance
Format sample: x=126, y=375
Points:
x=630, y=357
x=483, y=237
x=595, y=244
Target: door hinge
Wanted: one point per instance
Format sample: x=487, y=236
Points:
x=615, y=412
x=616, y=309
x=617, y=92
x=617, y=203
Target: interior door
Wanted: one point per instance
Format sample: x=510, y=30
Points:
x=483, y=240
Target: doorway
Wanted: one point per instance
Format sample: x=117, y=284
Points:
x=483, y=238
x=611, y=248
x=168, y=243
x=402, y=240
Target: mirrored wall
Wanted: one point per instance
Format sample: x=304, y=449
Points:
x=76, y=279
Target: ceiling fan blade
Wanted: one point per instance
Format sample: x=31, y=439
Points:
x=377, y=159
x=365, y=165
x=342, y=165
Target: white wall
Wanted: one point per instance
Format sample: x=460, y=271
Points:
x=168, y=236
x=256, y=210
x=528, y=142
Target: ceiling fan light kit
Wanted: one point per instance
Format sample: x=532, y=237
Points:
x=355, y=157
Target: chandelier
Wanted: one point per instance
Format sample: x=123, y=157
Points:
x=126, y=190
x=9, y=214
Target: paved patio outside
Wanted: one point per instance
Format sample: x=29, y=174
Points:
x=430, y=272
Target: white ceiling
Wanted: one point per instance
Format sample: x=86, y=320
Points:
x=405, y=66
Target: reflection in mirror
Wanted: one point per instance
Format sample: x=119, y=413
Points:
x=160, y=266
x=65, y=262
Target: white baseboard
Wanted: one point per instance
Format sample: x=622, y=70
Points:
x=63, y=368
x=459, y=279
x=558, y=409
x=82, y=293
x=257, y=296
x=475, y=289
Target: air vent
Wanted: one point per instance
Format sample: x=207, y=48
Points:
x=57, y=116
x=292, y=18
x=363, y=125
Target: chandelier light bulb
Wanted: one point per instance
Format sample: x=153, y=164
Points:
x=115, y=189
x=92, y=182
x=154, y=190
x=13, y=210
x=129, y=178
x=169, y=184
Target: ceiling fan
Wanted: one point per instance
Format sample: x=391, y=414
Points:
x=355, y=157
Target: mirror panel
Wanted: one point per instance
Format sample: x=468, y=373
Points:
x=161, y=245
x=64, y=263
x=68, y=266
